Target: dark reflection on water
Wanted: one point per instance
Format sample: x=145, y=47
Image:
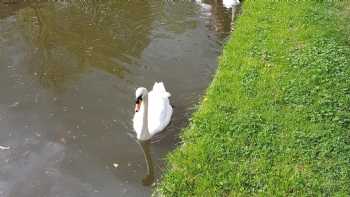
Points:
x=146, y=148
x=220, y=16
x=68, y=72
x=67, y=38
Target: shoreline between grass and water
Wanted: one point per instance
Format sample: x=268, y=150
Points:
x=276, y=118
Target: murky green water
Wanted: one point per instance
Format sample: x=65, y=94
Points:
x=68, y=72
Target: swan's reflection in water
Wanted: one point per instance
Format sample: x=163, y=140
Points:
x=146, y=148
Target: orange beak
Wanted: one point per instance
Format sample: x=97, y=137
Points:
x=137, y=106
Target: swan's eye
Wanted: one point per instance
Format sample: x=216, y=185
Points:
x=138, y=100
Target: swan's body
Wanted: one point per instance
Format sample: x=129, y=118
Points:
x=154, y=111
x=226, y=3
x=230, y=3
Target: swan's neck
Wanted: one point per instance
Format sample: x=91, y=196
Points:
x=144, y=132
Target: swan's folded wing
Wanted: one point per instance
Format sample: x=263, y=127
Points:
x=159, y=89
x=159, y=112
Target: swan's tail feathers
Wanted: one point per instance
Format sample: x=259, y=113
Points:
x=160, y=88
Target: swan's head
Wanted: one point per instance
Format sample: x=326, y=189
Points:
x=140, y=95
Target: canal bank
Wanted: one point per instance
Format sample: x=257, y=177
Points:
x=276, y=117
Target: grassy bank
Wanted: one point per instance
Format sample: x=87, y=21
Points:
x=276, y=119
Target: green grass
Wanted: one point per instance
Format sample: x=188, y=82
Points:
x=276, y=119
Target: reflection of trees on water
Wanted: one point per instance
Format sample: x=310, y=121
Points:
x=68, y=37
x=9, y=7
x=177, y=16
x=71, y=36
x=220, y=15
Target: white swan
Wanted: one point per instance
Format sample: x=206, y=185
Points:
x=230, y=3
x=152, y=111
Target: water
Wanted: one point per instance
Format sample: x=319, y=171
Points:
x=68, y=72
